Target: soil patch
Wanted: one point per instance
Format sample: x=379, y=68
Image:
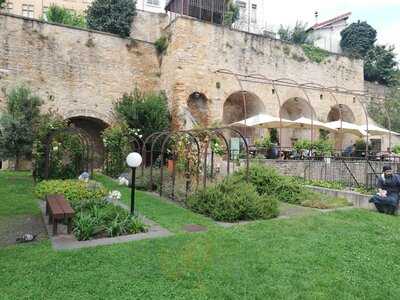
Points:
x=13, y=227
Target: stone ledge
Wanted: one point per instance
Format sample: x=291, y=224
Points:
x=358, y=200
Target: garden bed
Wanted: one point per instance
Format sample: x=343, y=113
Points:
x=99, y=219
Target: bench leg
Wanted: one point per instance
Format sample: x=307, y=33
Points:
x=50, y=218
x=55, y=227
x=69, y=225
x=47, y=207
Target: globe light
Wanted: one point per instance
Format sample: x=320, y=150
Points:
x=134, y=160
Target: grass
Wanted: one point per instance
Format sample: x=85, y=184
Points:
x=341, y=255
x=16, y=195
x=168, y=215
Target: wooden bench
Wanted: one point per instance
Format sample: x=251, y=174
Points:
x=58, y=209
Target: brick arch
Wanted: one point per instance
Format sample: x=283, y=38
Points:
x=88, y=113
x=234, y=108
x=346, y=112
x=297, y=107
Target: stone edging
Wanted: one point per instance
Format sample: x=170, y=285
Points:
x=65, y=241
x=358, y=200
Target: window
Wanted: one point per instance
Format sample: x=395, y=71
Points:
x=242, y=9
x=254, y=13
x=7, y=6
x=27, y=10
x=153, y=2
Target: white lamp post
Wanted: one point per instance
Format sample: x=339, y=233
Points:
x=133, y=160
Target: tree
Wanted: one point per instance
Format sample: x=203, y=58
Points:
x=297, y=35
x=377, y=113
x=232, y=13
x=2, y=3
x=358, y=39
x=61, y=15
x=147, y=112
x=380, y=65
x=18, y=124
x=114, y=16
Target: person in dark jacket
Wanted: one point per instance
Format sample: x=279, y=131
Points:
x=387, y=199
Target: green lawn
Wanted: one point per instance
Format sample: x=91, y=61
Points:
x=343, y=255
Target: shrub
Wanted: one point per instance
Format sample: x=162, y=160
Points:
x=147, y=112
x=161, y=44
x=116, y=140
x=75, y=191
x=232, y=201
x=315, y=54
x=61, y=15
x=114, y=16
x=84, y=226
x=267, y=181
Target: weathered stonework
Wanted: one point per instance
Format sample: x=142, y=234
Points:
x=77, y=72
x=80, y=73
x=190, y=66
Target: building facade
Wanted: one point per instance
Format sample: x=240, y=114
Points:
x=326, y=35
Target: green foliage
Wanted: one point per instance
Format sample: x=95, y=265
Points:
x=396, y=149
x=336, y=185
x=18, y=124
x=380, y=65
x=232, y=201
x=101, y=219
x=73, y=190
x=161, y=44
x=114, y=16
x=147, y=112
x=116, y=145
x=61, y=15
x=267, y=181
x=322, y=201
x=2, y=3
x=322, y=147
x=66, y=149
x=315, y=54
x=265, y=143
x=232, y=13
x=296, y=35
x=392, y=103
x=362, y=189
x=358, y=39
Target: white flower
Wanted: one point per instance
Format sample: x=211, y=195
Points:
x=123, y=181
x=114, y=196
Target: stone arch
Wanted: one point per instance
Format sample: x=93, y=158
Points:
x=292, y=109
x=94, y=128
x=235, y=110
x=342, y=140
x=347, y=113
x=198, y=107
x=297, y=107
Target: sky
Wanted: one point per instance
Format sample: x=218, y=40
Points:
x=383, y=15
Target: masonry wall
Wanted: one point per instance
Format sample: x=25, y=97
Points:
x=77, y=72
x=148, y=26
x=198, y=49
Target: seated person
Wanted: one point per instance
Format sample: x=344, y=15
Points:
x=387, y=199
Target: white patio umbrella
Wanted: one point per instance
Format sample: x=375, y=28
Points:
x=304, y=122
x=376, y=130
x=262, y=121
x=347, y=127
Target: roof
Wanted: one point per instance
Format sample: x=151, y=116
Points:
x=330, y=22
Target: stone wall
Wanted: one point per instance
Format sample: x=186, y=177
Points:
x=148, y=26
x=197, y=50
x=77, y=72
x=335, y=170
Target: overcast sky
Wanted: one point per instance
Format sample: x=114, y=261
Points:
x=383, y=15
